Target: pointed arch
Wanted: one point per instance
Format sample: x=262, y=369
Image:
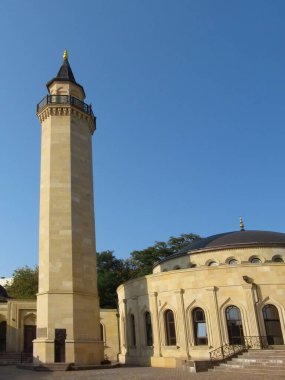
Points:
x=199, y=326
x=224, y=326
x=190, y=320
x=30, y=319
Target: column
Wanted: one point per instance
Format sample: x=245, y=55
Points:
x=155, y=324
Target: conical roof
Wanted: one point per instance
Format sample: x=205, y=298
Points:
x=65, y=73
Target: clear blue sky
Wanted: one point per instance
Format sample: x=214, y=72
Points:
x=189, y=97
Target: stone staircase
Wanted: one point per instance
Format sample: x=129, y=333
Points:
x=12, y=358
x=271, y=362
x=51, y=367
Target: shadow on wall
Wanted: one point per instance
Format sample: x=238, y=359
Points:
x=136, y=325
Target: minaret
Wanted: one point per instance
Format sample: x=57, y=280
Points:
x=68, y=326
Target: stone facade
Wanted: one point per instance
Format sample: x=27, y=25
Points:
x=179, y=290
x=20, y=317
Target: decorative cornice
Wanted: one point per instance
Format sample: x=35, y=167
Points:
x=247, y=286
x=66, y=110
x=211, y=288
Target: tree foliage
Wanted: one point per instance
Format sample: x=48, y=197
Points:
x=24, y=283
x=111, y=272
x=142, y=261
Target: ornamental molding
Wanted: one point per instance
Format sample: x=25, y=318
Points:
x=66, y=110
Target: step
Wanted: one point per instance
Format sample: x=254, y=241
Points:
x=9, y=358
x=265, y=352
x=51, y=367
x=270, y=362
x=258, y=360
x=252, y=366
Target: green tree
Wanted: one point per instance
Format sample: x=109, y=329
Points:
x=111, y=272
x=24, y=283
x=142, y=261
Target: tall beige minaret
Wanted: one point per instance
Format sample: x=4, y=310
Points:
x=68, y=326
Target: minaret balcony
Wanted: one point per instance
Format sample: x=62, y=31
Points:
x=66, y=99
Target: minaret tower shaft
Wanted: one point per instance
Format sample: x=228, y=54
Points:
x=68, y=325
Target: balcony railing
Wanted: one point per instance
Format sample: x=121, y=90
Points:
x=247, y=342
x=66, y=99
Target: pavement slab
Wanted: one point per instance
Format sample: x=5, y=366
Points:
x=128, y=373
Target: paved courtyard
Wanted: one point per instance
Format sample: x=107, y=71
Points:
x=124, y=373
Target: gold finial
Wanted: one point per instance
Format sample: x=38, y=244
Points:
x=65, y=54
x=241, y=225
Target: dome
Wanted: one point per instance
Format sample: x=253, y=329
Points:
x=234, y=239
x=3, y=292
x=237, y=239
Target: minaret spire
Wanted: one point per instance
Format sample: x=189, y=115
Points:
x=241, y=224
x=65, y=55
x=65, y=74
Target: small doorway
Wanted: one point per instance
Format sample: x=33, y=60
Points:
x=234, y=325
x=29, y=336
x=3, y=328
x=272, y=325
x=59, y=345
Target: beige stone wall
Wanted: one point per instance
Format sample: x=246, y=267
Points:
x=67, y=255
x=109, y=319
x=18, y=313
x=221, y=256
x=211, y=288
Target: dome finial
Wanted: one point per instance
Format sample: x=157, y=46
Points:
x=241, y=224
x=65, y=55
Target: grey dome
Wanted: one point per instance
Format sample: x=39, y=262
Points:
x=234, y=239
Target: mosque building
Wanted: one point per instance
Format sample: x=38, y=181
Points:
x=220, y=291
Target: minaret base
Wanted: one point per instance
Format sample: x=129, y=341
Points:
x=81, y=352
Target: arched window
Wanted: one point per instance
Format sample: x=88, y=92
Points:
x=148, y=329
x=278, y=259
x=132, y=331
x=102, y=332
x=200, y=329
x=212, y=264
x=233, y=262
x=234, y=325
x=170, y=332
x=255, y=260
x=272, y=325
